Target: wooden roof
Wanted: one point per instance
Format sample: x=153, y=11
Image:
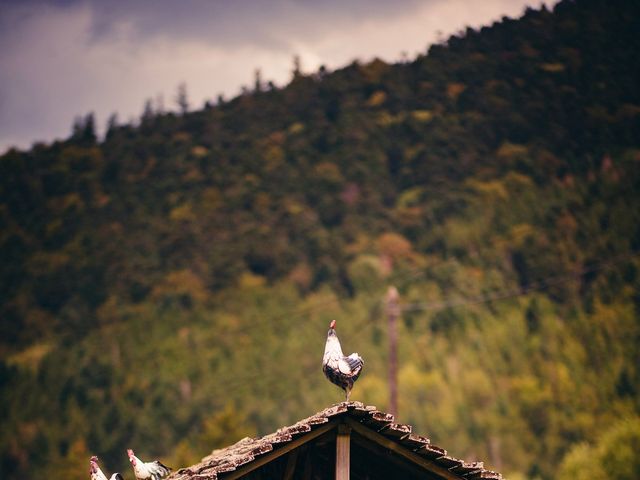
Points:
x=379, y=444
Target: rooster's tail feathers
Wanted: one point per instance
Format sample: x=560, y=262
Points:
x=355, y=361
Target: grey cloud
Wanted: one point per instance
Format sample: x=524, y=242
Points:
x=63, y=58
x=237, y=23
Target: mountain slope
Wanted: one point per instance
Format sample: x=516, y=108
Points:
x=158, y=285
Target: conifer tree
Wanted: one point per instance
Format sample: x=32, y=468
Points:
x=181, y=98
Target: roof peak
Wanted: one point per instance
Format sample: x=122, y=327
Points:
x=369, y=422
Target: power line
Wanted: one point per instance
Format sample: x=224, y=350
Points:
x=262, y=379
x=519, y=292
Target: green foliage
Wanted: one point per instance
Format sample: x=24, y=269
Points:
x=218, y=431
x=168, y=289
x=614, y=455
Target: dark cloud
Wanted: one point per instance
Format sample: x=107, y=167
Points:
x=225, y=22
x=239, y=22
x=62, y=58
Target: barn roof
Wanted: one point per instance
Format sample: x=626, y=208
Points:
x=379, y=427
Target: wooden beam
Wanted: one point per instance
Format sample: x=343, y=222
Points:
x=343, y=452
x=398, y=449
x=309, y=460
x=383, y=461
x=291, y=464
x=268, y=457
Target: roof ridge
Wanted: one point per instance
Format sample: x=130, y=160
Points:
x=247, y=449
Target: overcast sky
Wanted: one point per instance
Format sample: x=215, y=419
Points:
x=63, y=58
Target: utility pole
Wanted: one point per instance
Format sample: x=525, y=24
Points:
x=393, y=312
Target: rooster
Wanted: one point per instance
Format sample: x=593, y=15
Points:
x=340, y=370
x=147, y=470
x=97, y=474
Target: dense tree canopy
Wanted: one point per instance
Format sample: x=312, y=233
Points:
x=168, y=288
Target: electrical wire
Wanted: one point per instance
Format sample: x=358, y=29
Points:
x=519, y=292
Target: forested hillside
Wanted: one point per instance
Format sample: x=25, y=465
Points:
x=169, y=288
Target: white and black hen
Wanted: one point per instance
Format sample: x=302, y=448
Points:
x=97, y=474
x=147, y=470
x=341, y=370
